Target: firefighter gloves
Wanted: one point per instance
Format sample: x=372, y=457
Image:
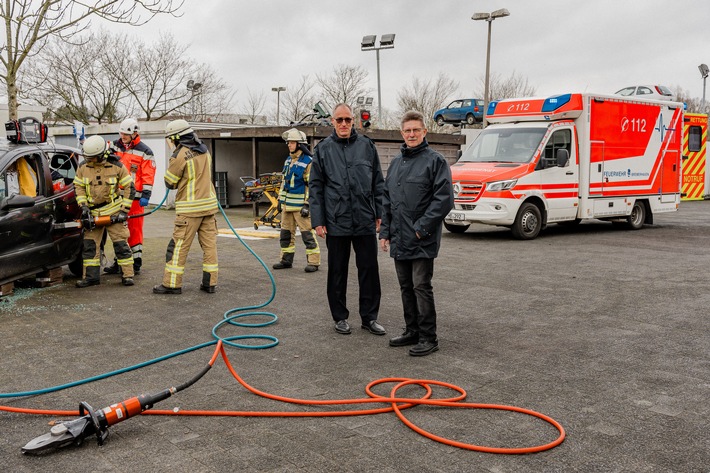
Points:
x=305, y=211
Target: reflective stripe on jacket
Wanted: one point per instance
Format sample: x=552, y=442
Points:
x=191, y=174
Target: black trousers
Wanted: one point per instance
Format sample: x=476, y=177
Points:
x=417, y=296
x=368, y=275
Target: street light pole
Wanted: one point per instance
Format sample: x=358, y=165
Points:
x=278, y=91
x=489, y=17
x=704, y=71
x=368, y=44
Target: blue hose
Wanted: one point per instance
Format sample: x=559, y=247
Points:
x=228, y=318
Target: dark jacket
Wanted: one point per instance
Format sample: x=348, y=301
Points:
x=346, y=186
x=418, y=195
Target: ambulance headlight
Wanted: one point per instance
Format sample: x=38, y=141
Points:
x=501, y=185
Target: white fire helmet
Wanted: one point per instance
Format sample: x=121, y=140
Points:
x=177, y=128
x=95, y=148
x=129, y=126
x=294, y=135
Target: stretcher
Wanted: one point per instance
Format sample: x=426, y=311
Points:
x=267, y=185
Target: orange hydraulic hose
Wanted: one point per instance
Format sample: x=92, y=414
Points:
x=396, y=405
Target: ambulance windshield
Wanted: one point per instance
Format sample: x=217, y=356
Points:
x=504, y=145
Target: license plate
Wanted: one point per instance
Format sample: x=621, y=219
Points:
x=457, y=216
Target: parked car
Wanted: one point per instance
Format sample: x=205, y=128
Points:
x=467, y=111
x=657, y=92
x=36, y=197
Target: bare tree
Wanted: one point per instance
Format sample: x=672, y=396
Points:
x=345, y=85
x=426, y=96
x=29, y=24
x=254, y=107
x=90, y=82
x=70, y=81
x=164, y=81
x=299, y=99
x=506, y=88
x=694, y=104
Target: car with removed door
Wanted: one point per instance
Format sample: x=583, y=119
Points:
x=36, y=201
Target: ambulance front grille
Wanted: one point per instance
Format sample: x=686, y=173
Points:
x=470, y=191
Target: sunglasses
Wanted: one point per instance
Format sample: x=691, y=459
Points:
x=343, y=119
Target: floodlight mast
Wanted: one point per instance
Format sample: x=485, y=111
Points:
x=368, y=44
x=704, y=71
x=489, y=17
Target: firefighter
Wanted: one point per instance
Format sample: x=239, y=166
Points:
x=103, y=187
x=140, y=162
x=190, y=172
x=293, y=203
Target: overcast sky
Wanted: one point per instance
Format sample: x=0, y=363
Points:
x=558, y=45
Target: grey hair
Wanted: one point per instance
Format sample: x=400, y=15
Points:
x=412, y=115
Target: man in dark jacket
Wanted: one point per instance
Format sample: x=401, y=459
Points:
x=417, y=196
x=346, y=207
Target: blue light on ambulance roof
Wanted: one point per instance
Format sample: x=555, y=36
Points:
x=492, y=108
x=556, y=101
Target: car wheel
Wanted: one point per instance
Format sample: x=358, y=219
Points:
x=470, y=119
x=528, y=222
x=440, y=121
x=456, y=228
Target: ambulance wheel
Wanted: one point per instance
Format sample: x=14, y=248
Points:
x=528, y=222
x=637, y=217
x=456, y=228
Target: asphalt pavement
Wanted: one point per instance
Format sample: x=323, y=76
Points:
x=603, y=330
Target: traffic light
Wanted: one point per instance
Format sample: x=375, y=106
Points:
x=364, y=118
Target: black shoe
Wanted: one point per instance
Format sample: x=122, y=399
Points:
x=424, y=347
x=136, y=270
x=127, y=281
x=407, y=338
x=160, y=289
x=87, y=282
x=208, y=289
x=113, y=269
x=373, y=327
x=342, y=327
x=282, y=265
x=311, y=268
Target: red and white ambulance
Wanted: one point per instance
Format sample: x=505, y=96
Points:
x=570, y=157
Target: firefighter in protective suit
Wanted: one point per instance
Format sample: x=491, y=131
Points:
x=293, y=203
x=140, y=162
x=103, y=188
x=190, y=172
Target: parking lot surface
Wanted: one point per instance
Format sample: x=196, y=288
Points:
x=604, y=330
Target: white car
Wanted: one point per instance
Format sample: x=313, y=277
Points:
x=656, y=92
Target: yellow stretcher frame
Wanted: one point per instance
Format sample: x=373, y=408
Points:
x=267, y=185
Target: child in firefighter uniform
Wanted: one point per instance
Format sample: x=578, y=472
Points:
x=104, y=188
x=293, y=201
x=190, y=172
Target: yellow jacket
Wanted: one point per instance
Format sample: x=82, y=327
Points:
x=190, y=173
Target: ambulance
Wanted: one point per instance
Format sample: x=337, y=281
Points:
x=568, y=158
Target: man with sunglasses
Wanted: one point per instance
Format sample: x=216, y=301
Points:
x=345, y=200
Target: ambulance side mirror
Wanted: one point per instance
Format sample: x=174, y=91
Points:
x=562, y=157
